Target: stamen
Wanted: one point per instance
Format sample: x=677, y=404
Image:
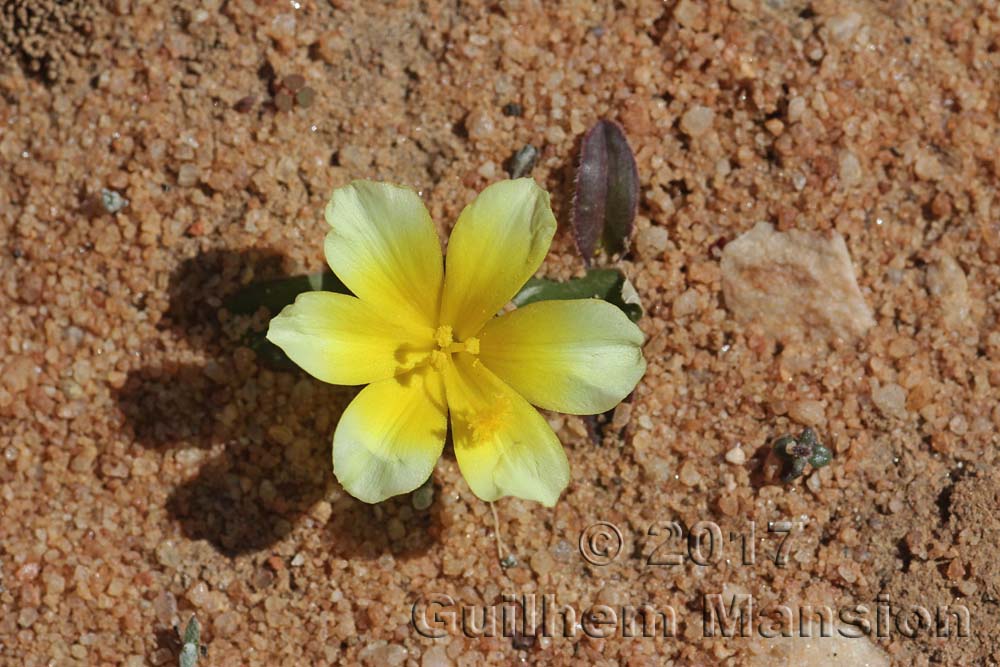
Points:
x=472, y=346
x=438, y=360
x=485, y=424
x=445, y=339
x=443, y=336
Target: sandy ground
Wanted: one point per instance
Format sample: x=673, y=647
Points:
x=152, y=468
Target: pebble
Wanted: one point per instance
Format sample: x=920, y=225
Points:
x=165, y=607
x=480, y=125
x=794, y=284
x=850, y=169
x=167, y=554
x=890, y=399
x=796, y=108
x=27, y=617
x=541, y=562
x=689, y=474
x=436, y=656
x=512, y=109
x=928, y=168
x=423, y=497
x=555, y=134
x=396, y=529
x=808, y=412
x=736, y=456
x=814, y=482
x=967, y=587
x=382, y=653
x=949, y=287
x=245, y=104
x=685, y=304
x=54, y=582
x=189, y=458
x=562, y=551
x=187, y=175
x=355, y=158
x=523, y=161
x=652, y=241
x=84, y=461
x=690, y=14
x=198, y=594
x=843, y=27
x=18, y=373
x=27, y=572
x=697, y=120
x=144, y=467
x=226, y=624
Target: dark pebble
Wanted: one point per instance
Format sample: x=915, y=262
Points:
x=512, y=109
x=244, y=105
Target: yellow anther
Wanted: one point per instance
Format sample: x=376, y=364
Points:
x=485, y=424
x=443, y=336
x=445, y=339
x=438, y=360
x=472, y=346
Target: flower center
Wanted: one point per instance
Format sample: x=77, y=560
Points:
x=486, y=423
x=447, y=344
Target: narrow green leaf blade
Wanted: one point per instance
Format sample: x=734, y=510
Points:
x=189, y=655
x=192, y=634
x=610, y=285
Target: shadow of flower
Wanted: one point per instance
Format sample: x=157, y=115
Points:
x=269, y=432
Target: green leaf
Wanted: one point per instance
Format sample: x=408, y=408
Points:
x=276, y=294
x=192, y=633
x=607, y=191
x=821, y=457
x=190, y=649
x=189, y=655
x=793, y=469
x=273, y=295
x=608, y=284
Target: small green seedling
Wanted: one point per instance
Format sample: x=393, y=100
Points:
x=796, y=452
x=191, y=648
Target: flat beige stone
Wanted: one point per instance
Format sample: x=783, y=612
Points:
x=795, y=284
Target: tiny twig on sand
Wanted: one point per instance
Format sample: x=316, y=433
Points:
x=496, y=532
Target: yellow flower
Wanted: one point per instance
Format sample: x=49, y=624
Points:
x=424, y=336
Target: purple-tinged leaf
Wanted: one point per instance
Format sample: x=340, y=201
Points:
x=607, y=191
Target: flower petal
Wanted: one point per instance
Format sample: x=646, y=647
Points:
x=390, y=436
x=503, y=445
x=499, y=241
x=579, y=356
x=383, y=246
x=342, y=340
